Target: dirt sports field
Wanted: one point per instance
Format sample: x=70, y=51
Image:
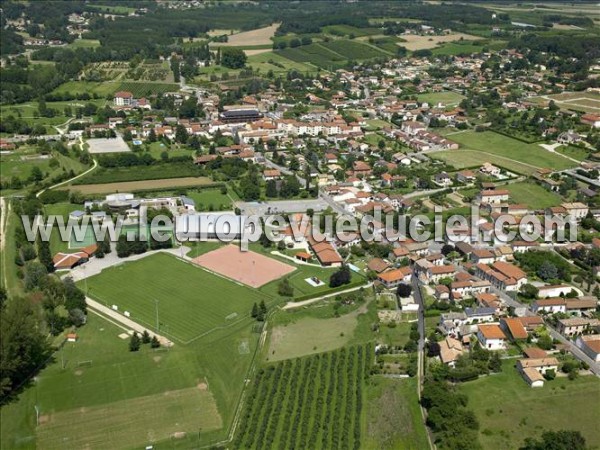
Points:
x=128, y=186
x=415, y=42
x=249, y=268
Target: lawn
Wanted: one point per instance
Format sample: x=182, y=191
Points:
x=445, y=98
x=96, y=385
x=532, y=195
x=299, y=333
x=477, y=148
x=571, y=151
x=210, y=199
x=191, y=302
x=392, y=417
x=510, y=411
x=298, y=279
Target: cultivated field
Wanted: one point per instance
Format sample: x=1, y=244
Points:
x=191, y=301
x=478, y=148
x=260, y=36
x=130, y=186
x=314, y=402
x=580, y=101
x=415, y=42
x=510, y=411
x=249, y=268
x=277, y=63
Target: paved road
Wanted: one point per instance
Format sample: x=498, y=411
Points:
x=125, y=321
x=283, y=206
x=335, y=206
x=285, y=171
x=594, y=366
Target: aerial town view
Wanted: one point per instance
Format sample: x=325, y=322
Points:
x=309, y=225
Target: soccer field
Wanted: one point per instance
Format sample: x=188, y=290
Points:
x=189, y=301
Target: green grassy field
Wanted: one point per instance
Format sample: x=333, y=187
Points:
x=346, y=30
x=278, y=63
x=195, y=387
x=313, y=402
x=297, y=333
x=298, y=278
x=445, y=98
x=392, y=417
x=509, y=410
x=104, y=175
x=315, y=54
x=532, y=195
x=353, y=50
x=477, y=148
x=101, y=88
x=454, y=48
x=84, y=43
x=208, y=199
x=191, y=301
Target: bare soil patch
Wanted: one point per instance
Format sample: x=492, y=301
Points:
x=416, y=42
x=127, y=186
x=260, y=36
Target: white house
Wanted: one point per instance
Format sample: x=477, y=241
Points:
x=590, y=345
x=549, y=305
x=491, y=337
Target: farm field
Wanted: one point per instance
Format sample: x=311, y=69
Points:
x=532, y=195
x=128, y=186
x=573, y=152
x=277, y=63
x=499, y=403
x=260, y=36
x=347, y=30
x=415, y=42
x=99, y=387
x=190, y=299
x=454, y=48
x=315, y=54
x=155, y=172
x=108, y=88
x=353, y=50
x=588, y=102
x=313, y=402
x=488, y=146
x=391, y=416
x=84, y=43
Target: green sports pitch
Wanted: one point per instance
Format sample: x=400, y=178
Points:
x=187, y=301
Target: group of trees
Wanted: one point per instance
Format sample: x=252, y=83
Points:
x=259, y=311
x=456, y=427
x=340, y=277
x=547, y=265
x=24, y=349
x=135, y=342
x=285, y=289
